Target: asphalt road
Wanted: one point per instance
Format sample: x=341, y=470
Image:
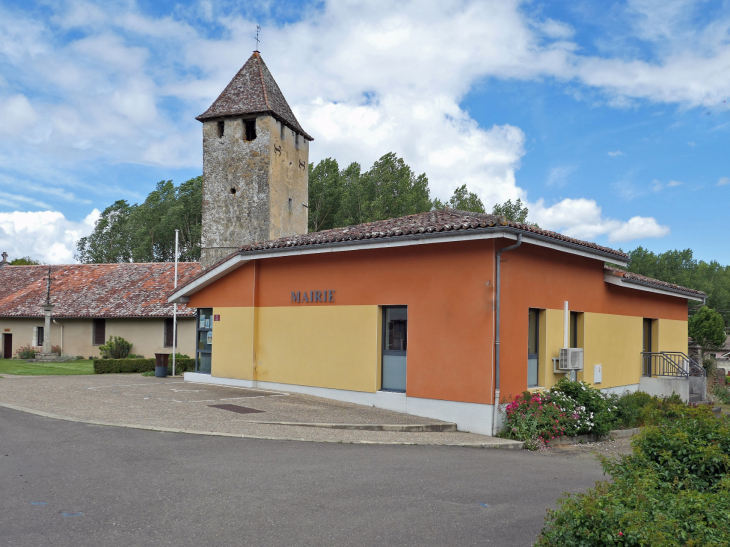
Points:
x=71, y=484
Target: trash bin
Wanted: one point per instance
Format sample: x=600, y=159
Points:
x=161, y=364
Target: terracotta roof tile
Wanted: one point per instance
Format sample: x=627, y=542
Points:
x=432, y=222
x=443, y=220
x=94, y=290
x=253, y=90
x=630, y=276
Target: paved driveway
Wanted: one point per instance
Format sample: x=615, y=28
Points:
x=72, y=484
x=170, y=403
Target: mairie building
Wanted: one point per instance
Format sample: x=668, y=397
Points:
x=442, y=314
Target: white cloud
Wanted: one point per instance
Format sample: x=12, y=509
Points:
x=364, y=78
x=556, y=29
x=724, y=181
x=43, y=235
x=558, y=176
x=583, y=219
x=657, y=185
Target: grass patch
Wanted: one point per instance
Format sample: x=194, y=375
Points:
x=21, y=368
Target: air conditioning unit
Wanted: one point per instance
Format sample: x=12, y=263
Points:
x=571, y=359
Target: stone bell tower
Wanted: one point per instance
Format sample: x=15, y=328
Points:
x=255, y=165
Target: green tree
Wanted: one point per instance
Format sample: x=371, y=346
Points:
x=325, y=194
x=516, y=212
x=389, y=189
x=110, y=242
x=681, y=268
x=707, y=328
x=146, y=232
x=462, y=199
x=25, y=261
x=355, y=199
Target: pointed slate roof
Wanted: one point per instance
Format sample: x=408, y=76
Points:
x=253, y=91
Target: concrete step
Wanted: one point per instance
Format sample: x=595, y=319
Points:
x=412, y=428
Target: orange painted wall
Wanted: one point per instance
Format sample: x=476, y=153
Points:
x=536, y=277
x=234, y=290
x=448, y=289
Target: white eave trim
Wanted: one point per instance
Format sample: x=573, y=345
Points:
x=631, y=284
x=422, y=239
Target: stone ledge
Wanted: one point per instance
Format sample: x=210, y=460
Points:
x=590, y=438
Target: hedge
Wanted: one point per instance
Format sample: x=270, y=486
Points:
x=112, y=366
x=674, y=490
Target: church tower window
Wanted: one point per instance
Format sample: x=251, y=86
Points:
x=250, y=130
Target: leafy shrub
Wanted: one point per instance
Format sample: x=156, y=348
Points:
x=56, y=349
x=111, y=366
x=569, y=408
x=689, y=449
x=116, y=348
x=673, y=490
x=598, y=414
x=25, y=352
x=630, y=408
x=79, y=357
x=642, y=511
x=534, y=418
x=135, y=356
x=722, y=393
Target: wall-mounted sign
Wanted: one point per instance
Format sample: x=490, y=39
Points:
x=312, y=296
x=216, y=318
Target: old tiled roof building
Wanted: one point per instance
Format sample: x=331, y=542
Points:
x=92, y=302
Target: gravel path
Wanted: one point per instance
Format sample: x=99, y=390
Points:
x=148, y=402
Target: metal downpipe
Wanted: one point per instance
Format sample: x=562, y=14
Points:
x=497, y=288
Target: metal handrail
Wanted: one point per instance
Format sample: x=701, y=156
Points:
x=695, y=369
x=664, y=364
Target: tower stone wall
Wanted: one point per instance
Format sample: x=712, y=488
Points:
x=253, y=190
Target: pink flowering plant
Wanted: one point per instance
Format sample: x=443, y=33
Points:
x=568, y=409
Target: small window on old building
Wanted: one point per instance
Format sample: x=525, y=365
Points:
x=39, y=336
x=250, y=127
x=99, y=332
x=282, y=132
x=296, y=140
x=221, y=129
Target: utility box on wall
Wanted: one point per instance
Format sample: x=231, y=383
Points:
x=597, y=374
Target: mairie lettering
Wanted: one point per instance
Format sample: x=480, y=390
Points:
x=309, y=297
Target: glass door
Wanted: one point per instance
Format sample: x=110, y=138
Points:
x=204, y=340
x=395, y=344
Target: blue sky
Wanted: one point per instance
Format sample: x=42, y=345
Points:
x=609, y=119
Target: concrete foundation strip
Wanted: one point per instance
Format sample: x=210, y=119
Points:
x=411, y=428
x=502, y=444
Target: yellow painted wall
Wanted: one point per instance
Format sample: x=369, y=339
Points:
x=335, y=347
x=672, y=335
x=614, y=341
x=551, y=340
x=233, y=343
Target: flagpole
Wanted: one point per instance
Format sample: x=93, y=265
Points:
x=174, y=311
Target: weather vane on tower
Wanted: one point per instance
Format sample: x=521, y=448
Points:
x=258, y=29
